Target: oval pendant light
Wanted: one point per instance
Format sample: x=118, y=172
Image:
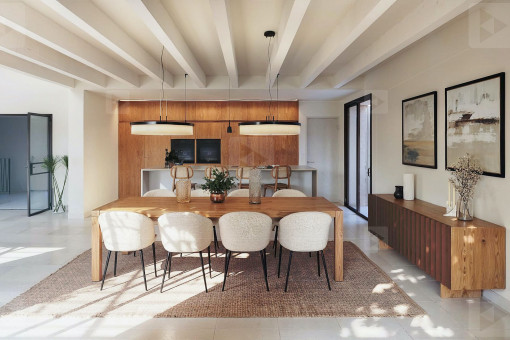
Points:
x=270, y=127
x=163, y=127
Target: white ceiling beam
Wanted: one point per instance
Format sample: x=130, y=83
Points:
x=31, y=23
x=289, y=25
x=90, y=19
x=425, y=18
x=159, y=22
x=17, y=64
x=351, y=27
x=23, y=47
x=224, y=29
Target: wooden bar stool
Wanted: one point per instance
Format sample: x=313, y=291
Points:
x=243, y=172
x=209, y=171
x=279, y=172
x=181, y=172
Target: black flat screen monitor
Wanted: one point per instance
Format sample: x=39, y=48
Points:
x=209, y=151
x=185, y=149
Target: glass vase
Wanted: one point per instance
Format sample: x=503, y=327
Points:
x=465, y=209
x=183, y=191
x=255, y=187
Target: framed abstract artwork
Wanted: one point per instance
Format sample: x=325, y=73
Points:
x=419, y=131
x=475, y=123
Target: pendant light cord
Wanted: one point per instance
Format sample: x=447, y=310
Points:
x=185, y=98
x=228, y=101
x=269, y=82
x=162, y=81
x=277, y=103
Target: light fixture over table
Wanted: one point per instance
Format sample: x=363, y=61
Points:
x=164, y=127
x=270, y=126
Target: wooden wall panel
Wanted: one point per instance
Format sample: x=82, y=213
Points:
x=131, y=161
x=211, y=121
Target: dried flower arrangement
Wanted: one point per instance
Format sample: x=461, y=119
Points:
x=466, y=173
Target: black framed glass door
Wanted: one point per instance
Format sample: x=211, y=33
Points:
x=358, y=154
x=38, y=178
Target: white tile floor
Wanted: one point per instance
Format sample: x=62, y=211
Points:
x=33, y=248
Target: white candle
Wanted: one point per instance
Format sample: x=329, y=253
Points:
x=408, y=187
x=449, y=193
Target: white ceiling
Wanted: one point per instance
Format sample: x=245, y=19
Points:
x=114, y=46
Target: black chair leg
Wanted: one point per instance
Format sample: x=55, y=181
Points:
x=325, y=269
x=318, y=265
x=203, y=270
x=227, y=261
x=215, y=240
x=115, y=265
x=309, y=254
x=275, y=241
x=288, y=270
x=264, y=268
x=209, y=258
x=154, y=258
x=134, y=254
x=164, y=272
x=169, y=265
x=280, y=260
x=143, y=269
x=105, y=268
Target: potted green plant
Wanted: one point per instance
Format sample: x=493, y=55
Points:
x=51, y=164
x=170, y=158
x=218, y=185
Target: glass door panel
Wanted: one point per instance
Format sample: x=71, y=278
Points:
x=39, y=147
x=358, y=161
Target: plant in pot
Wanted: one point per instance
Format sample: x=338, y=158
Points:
x=218, y=185
x=171, y=158
x=51, y=164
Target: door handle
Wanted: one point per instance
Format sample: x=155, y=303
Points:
x=369, y=172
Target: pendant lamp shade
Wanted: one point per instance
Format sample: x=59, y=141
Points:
x=269, y=128
x=161, y=128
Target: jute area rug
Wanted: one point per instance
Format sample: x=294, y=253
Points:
x=366, y=290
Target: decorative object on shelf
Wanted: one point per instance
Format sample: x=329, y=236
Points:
x=451, y=204
x=475, y=123
x=399, y=192
x=51, y=164
x=270, y=126
x=255, y=186
x=183, y=190
x=163, y=127
x=218, y=185
x=466, y=173
x=409, y=187
x=170, y=158
x=419, y=131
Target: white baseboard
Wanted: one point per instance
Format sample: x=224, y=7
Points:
x=497, y=299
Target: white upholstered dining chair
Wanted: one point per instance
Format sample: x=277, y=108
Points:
x=245, y=232
x=159, y=193
x=185, y=232
x=304, y=232
x=239, y=193
x=283, y=193
x=205, y=193
x=127, y=231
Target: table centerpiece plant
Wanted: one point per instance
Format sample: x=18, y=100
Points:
x=466, y=173
x=218, y=185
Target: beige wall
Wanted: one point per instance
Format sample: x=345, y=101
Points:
x=440, y=60
x=100, y=162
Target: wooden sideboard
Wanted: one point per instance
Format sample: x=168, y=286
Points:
x=465, y=257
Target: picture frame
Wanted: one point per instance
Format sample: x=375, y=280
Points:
x=475, y=123
x=419, y=130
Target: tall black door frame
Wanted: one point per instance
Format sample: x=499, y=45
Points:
x=357, y=102
x=29, y=170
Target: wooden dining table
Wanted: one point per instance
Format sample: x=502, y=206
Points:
x=275, y=207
